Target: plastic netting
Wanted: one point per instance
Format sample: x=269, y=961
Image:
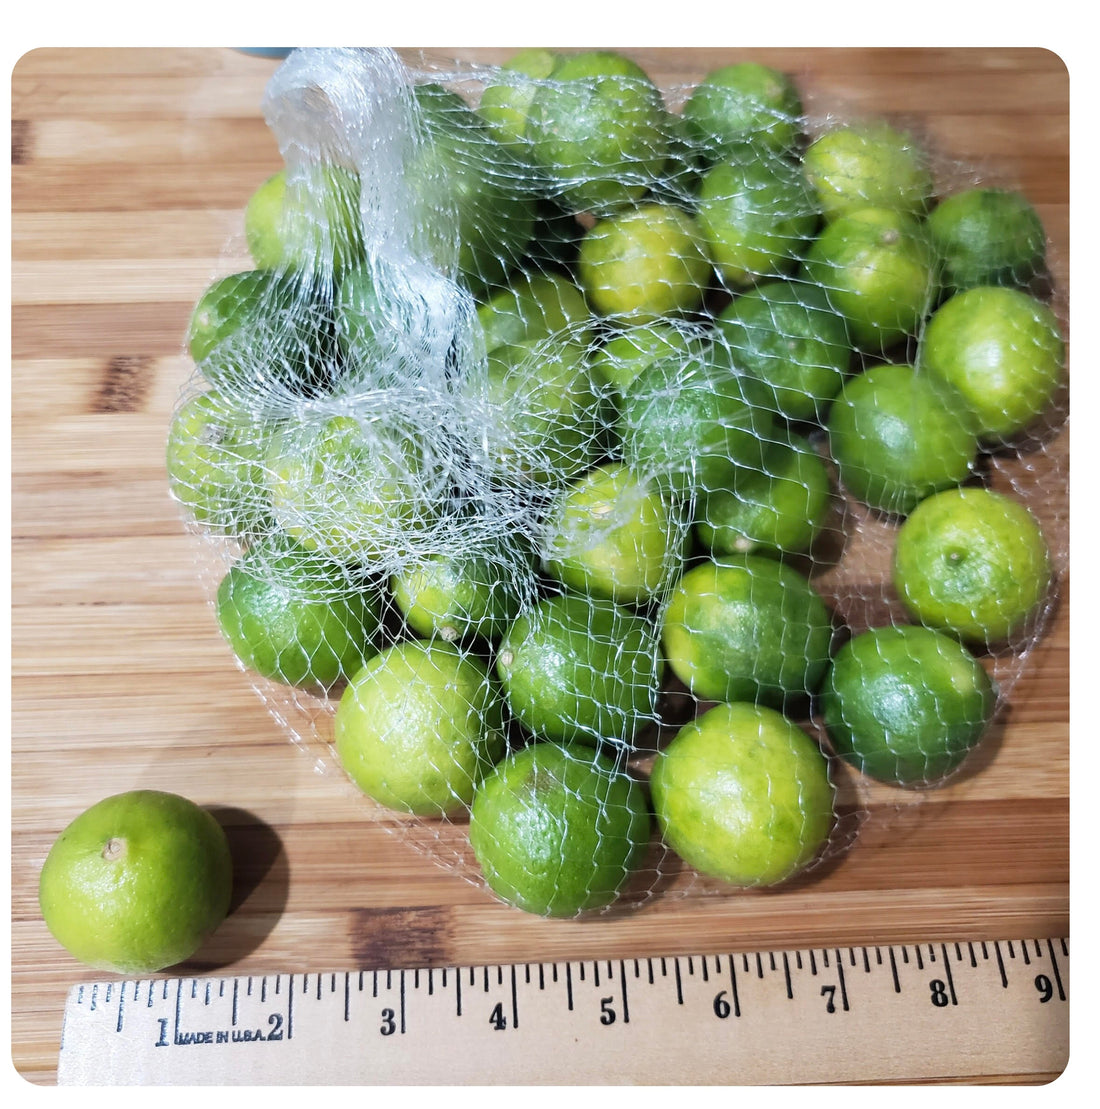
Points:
x=551, y=449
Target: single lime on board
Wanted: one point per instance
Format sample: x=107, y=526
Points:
x=987, y=236
x=419, y=726
x=615, y=535
x=297, y=618
x=906, y=704
x=879, y=271
x=972, y=562
x=743, y=794
x=582, y=669
x=869, y=163
x=897, y=435
x=1002, y=351
x=558, y=829
x=137, y=882
x=747, y=628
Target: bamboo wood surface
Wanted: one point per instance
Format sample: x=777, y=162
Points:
x=131, y=169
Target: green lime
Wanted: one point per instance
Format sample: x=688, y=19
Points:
x=297, y=618
x=306, y=218
x=987, y=236
x=694, y=424
x=580, y=668
x=240, y=302
x=558, y=829
x=897, y=434
x=353, y=488
x=215, y=461
x=598, y=131
x=137, y=882
x=462, y=596
x=743, y=102
x=747, y=628
x=613, y=534
x=972, y=562
x=630, y=348
x=469, y=201
x=788, y=335
x=507, y=95
x=906, y=704
x=869, y=164
x=756, y=214
x=777, y=513
x=419, y=726
x=535, y=306
x=1002, y=351
x=365, y=329
x=644, y=263
x=536, y=411
x=879, y=271
x=743, y=794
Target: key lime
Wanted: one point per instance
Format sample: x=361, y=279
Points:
x=780, y=512
x=598, y=131
x=747, y=628
x=558, y=829
x=694, y=425
x=244, y=301
x=741, y=103
x=535, y=306
x=906, y=704
x=644, y=263
x=576, y=668
x=630, y=348
x=297, y=618
x=987, y=236
x=972, y=562
x=613, y=534
x=879, y=271
x=419, y=726
x=756, y=214
x=1002, y=351
x=897, y=435
x=869, y=164
x=788, y=335
x=215, y=461
x=137, y=882
x=743, y=794
x=506, y=98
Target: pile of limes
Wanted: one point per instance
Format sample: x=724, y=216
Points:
x=690, y=331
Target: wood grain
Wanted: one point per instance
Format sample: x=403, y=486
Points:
x=130, y=172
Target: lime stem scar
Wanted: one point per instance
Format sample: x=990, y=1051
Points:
x=114, y=849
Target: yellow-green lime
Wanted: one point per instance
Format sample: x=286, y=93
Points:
x=614, y=534
x=558, y=829
x=534, y=306
x=747, y=628
x=215, y=461
x=987, y=236
x=582, y=669
x=507, y=95
x=1002, y=350
x=694, y=424
x=897, y=434
x=644, y=263
x=241, y=302
x=788, y=335
x=458, y=596
x=743, y=794
x=419, y=726
x=297, y=618
x=973, y=562
x=906, y=704
x=598, y=131
x=137, y=882
x=740, y=103
x=756, y=214
x=780, y=512
x=879, y=270
x=869, y=164
x=630, y=348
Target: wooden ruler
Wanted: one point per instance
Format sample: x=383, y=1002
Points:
x=900, y=1013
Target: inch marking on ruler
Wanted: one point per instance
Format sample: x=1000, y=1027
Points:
x=907, y=1012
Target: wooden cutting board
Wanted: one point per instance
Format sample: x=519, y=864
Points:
x=131, y=168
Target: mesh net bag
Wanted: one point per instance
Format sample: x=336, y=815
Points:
x=606, y=479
